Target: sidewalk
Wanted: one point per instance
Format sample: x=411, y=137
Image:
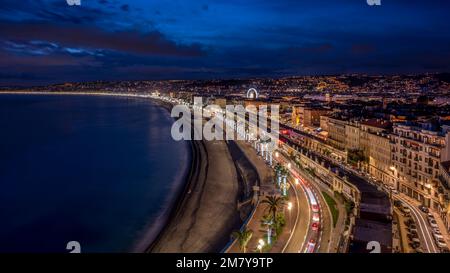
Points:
x=265, y=173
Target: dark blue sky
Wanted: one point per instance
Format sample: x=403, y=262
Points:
x=46, y=41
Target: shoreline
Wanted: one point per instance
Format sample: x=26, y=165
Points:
x=182, y=192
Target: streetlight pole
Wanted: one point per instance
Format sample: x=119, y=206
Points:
x=289, y=209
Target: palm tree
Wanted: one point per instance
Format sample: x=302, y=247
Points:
x=274, y=203
x=267, y=222
x=243, y=237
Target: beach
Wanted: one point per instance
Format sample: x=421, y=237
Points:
x=207, y=212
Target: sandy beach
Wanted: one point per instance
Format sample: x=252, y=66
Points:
x=207, y=213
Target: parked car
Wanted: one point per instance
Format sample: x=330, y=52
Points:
x=409, y=222
x=436, y=231
x=415, y=245
x=445, y=250
x=405, y=209
x=438, y=236
x=424, y=209
x=394, y=192
x=413, y=231
x=433, y=223
x=397, y=203
x=412, y=236
x=418, y=250
x=441, y=243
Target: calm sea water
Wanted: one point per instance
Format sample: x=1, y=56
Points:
x=102, y=171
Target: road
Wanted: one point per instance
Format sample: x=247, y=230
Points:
x=424, y=230
x=311, y=240
x=302, y=222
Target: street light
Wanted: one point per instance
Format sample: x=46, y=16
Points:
x=261, y=244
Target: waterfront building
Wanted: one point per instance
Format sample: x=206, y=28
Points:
x=417, y=151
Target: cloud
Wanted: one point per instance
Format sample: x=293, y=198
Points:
x=38, y=61
x=150, y=43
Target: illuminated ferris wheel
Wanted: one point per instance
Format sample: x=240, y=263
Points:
x=252, y=93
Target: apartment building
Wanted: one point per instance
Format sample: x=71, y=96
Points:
x=416, y=153
x=324, y=123
x=297, y=115
x=312, y=116
x=444, y=199
x=336, y=133
x=375, y=145
x=307, y=116
x=353, y=135
x=380, y=158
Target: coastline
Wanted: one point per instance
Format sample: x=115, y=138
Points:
x=181, y=193
x=196, y=209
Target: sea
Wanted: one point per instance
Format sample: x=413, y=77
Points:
x=100, y=171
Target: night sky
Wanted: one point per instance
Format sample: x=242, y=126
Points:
x=48, y=41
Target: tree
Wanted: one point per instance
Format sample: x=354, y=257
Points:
x=274, y=203
x=243, y=237
x=279, y=223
